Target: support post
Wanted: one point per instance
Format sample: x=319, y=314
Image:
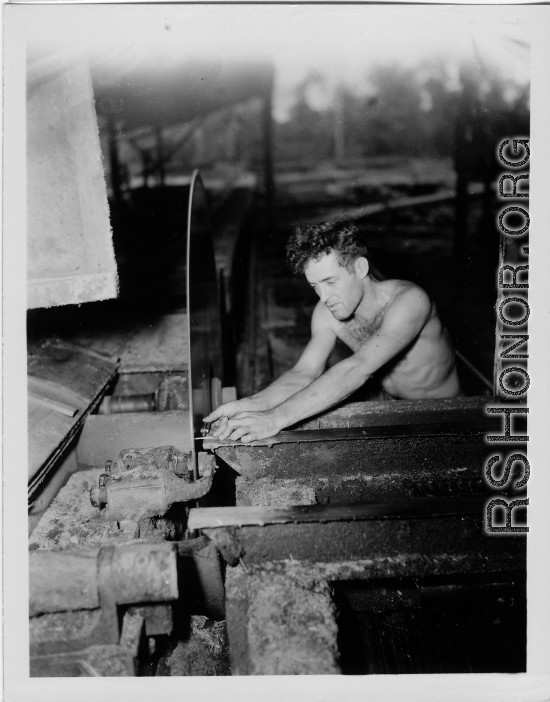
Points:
x=269, y=178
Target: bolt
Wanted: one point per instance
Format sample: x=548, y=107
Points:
x=98, y=493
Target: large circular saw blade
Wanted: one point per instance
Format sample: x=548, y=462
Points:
x=204, y=330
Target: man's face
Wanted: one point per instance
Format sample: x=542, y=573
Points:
x=340, y=289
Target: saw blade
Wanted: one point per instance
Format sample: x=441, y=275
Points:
x=204, y=330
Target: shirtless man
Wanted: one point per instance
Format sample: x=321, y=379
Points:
x=391, y=326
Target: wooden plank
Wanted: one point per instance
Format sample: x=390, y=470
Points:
x=377, y=413
x=374, y=548
x=394, y=458
x=358, y=470
x=215, y=517
x=51, y=390
x=53, y=363
x=357, y=213
x=465, y=428
x=65, y=374
x=49, y=433
x=67, y=466
x=52, y=404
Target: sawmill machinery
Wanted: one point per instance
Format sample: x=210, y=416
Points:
x=360, y=518
x=383, y=501
x=150, y=468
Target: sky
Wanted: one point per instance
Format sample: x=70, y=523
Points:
x=343, y=42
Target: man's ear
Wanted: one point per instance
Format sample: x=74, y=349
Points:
x=362, y=267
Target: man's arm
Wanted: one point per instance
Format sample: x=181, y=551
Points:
x=402, y=324
x=311, y=364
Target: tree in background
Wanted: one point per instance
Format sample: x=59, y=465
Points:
x=394, y=120
x=406, y=112
x=308, y=135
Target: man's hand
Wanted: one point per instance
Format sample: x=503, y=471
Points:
x=230, y=409
x=248, y=426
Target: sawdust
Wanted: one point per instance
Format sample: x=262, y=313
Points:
x=205, y=652
x=291, y=624
x=272, y=492
x=145, y=463
x=71, y=518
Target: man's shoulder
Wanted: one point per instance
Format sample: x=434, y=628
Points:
x=407, y=298
x=321, y=317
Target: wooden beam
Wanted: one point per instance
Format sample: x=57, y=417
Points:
x=353, y=214
x=408, y=546
x=65, y=383
x=465, y=428
x=52, y=404
x=215, y=517
x=376, y=413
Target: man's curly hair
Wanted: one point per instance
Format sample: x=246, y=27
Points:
x=311, y=241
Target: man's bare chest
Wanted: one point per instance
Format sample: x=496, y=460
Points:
x=355, y=332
